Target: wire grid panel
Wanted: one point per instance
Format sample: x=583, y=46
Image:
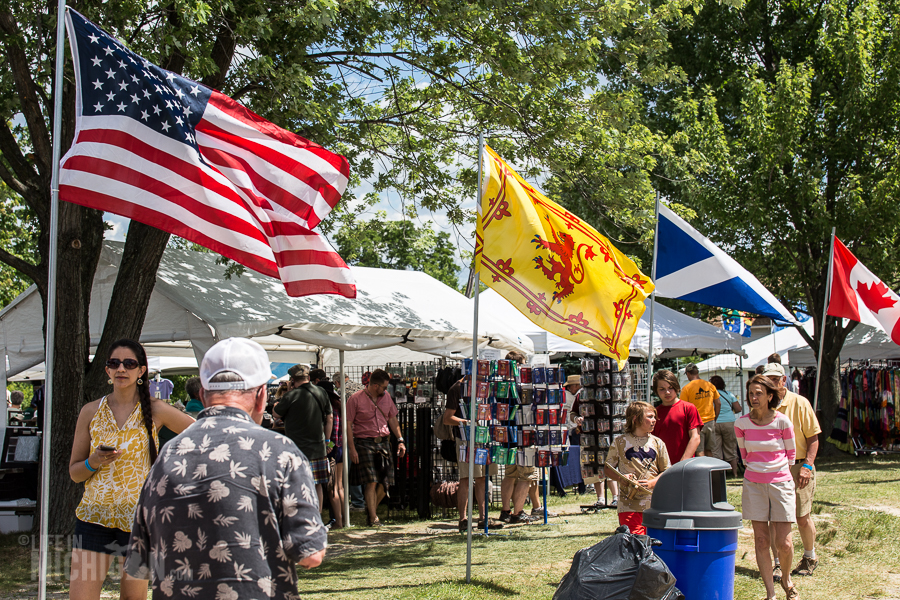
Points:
x=638, y=381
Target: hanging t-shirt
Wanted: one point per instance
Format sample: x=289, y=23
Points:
x=673, y=426
x=161, y=389
x=726, y=413
x=701, y=394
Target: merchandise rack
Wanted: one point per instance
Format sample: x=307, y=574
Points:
x=606, y=392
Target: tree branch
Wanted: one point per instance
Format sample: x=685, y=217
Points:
x=222, y=53
x=243, y=91
x=10, y=180
x=32, y=271
x=24, y=172
x=27, y=91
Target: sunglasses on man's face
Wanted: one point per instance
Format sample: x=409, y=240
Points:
x=128, y=363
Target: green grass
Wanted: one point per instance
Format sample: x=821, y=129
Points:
x=856, y=544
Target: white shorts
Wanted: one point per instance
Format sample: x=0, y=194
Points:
x=774, y=502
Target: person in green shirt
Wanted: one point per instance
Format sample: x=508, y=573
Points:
x=306, y=412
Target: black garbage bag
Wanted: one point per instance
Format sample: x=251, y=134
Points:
x=621, y=567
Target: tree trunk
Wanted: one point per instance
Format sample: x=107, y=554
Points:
x=78, y=252
x=144, y=247
x=829, y=382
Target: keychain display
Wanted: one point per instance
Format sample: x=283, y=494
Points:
x=604, y=399
x=518, y=409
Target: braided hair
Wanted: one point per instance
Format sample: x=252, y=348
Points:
x=143, y=389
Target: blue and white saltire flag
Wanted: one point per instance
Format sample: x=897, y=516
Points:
x=690, y=267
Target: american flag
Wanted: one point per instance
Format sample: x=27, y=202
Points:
x=159, y=148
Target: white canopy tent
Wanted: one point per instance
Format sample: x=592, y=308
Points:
x=193, y=306
x=863, y=343
x=785, y=342
x=675, y=334
x=164, y=365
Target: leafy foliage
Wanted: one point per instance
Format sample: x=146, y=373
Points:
x=398, y=245
x=782, y=126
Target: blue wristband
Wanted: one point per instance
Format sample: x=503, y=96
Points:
x=89, y=467
x=807, y=466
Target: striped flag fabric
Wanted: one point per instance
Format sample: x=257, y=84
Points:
x=169, y=152
x=691, y=267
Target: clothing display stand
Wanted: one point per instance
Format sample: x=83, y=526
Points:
x=605, y=394
x=869, y=390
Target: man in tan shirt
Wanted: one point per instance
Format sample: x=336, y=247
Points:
x=806, y=436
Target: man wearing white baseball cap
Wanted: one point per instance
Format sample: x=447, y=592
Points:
x=806, y=436
x=231, y=508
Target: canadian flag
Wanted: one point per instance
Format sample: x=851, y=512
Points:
x=858, y=295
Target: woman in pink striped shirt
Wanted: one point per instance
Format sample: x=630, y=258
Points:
x=765, y=438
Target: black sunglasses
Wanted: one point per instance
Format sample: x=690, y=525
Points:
x=128, y=363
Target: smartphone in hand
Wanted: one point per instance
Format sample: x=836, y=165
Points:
x=105, y=448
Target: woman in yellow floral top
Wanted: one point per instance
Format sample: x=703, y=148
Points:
x=115, y=444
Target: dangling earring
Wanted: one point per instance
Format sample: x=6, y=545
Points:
x=109, y=381
x=140, y=381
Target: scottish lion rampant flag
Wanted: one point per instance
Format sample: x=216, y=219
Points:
x=555, y=268
x=169, y=152
x=690, y=267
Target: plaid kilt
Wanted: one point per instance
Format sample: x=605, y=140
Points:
x=320, y=468
x=375, y=463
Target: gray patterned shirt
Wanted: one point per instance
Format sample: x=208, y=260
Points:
x=226, y=513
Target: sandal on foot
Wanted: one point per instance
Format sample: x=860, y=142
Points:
x=791, y=593
x=776, y=574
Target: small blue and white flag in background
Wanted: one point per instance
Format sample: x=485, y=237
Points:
x=690, y=267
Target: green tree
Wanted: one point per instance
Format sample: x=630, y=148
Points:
x=15, y=235
x=401, y=88
x=782, y=127
x=398, y=245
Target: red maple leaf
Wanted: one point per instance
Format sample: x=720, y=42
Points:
x=875, y=296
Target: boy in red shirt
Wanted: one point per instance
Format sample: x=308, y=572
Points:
x=678, y=422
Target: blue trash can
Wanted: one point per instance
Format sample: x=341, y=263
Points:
x=690, y=515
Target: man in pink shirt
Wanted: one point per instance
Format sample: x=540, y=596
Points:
x=371, y=417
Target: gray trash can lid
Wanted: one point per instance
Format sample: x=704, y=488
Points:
x=692, y=495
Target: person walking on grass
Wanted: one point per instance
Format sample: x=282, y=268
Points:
x=229, y=511
x=641, y=457
x=371, y=417
x=765, y=438
x=806, y=427
x=725, y=446
x=308, y=420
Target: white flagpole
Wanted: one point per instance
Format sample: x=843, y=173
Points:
x=345, y=452
x=824, y=319
x=472, y=384
x=652, y=300
x=50, y=338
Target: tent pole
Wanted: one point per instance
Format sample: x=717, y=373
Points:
x=652, y=300
x=824, y=319
x=50, y=342
x=476, y=283
x=344, y=442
